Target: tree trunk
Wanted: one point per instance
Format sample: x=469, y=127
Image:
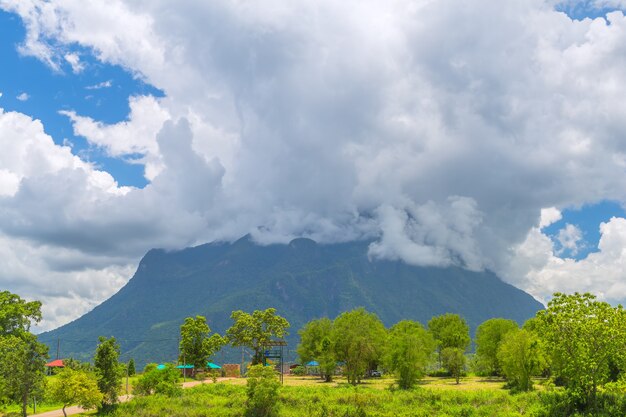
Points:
x=64, y=413
x=24, y=405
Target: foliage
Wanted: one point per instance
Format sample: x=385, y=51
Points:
x=521, y=356
x=76, y=387
x=130, y=367
x=299, y=370
x=196, y=347
x=17, y=314
x=584, y=335
x=77, y=365
x=256, y=330
x=108, y=370
x=450, y=331
x=262, y=390
x=22, y=367
x=159, y=381
x=316, y=344
x=453, y=361
x=408, y=352
x=359, y=339
x=488, y=337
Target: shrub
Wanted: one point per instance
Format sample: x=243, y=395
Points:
x=159, y=381
x=262, y=390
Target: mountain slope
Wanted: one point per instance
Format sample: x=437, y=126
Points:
x=303, y=280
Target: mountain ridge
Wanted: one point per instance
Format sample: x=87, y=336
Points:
x=303, y=280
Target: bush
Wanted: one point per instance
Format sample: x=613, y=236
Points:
x=159, y=381
x=299, y=371
x=262, y=391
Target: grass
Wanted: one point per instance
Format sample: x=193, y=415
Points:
x=306, y=396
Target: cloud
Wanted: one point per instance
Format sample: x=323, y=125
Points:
x=23, y=97
x=74, y=60
x=571, y=239
x=441, y=131
x=103, y=84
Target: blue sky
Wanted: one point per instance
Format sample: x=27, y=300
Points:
x=49, y=91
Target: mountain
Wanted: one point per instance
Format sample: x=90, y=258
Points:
x=302, y=280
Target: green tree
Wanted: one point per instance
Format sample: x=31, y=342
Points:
x=408, y=352
x=453, y=360
x=108, y=370
x=359, y=339
x=131, y=367
x=262, y=390
x=196, y=346
x=489, y=335
x=16, y=314
x=450, y=331
x=256, y=330
x=520, y=356
x=583, y=335
x=159, y=381
x=316, y=344
x=22, y=368
x=76, y=387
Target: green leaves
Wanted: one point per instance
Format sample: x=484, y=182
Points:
x=76, y=387
x=256, y=330
x=108, y=370
x=489, y=335
x=16, y=314
x=316, y=344
x=450, y=331
x=196, y=346
x=408, y=351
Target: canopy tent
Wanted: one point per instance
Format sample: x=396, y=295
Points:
x=160, y=367
x=58, y=363
x=211, y=365
x=313, y=363
x=184, y=367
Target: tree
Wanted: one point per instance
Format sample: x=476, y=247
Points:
x=408, y=352
x=316, y=344
x=359, y=338
x=16, y=314
x=108, y=370
x=159, y=381
x=450, y=331
x=262, y=390
x=196, y=347
x=76, y=387
x=131, y=367
x=256, y=330
x=22, y=367
x=22, y=357
x=488, y=337
x=583, y=335
x=453, y=360
x=520, y=356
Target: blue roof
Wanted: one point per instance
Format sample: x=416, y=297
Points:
x=184, y=367
x=211, y=365
x=160, y=367
x=313, y=363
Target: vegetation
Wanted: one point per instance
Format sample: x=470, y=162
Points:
x=108, y=370
x=359, y=339
x=316, y=343
x=584, y=336
x=196, y=346
x=256, y=330
x=76, y=387
x=262, y=391
x=453, y=360
x=159, y=381
x=520, y=356
x=449, y=331
x=489, y=335
x=130, y=367
x=408, y=352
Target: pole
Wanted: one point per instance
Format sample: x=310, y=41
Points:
x=127, y=380
x=58, y=346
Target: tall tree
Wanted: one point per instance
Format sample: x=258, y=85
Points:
x=22, y=357
x=489, y=335
x=450, y=331
x=256, y=330
x=108, y=370
x=76, y=387
x=316, y=344
x=520, y=356
x=16, y=314
x=583, y=335
x=130, y=370
x=453, y=360
x=22, y=367
x=196, y=346
x=408, y=352
x=359, y=338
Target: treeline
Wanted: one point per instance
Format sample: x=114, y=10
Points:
x=577, y=342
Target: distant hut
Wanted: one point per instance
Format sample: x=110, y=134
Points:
x=55, y=364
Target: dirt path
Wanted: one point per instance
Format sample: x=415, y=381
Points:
x=123, y=398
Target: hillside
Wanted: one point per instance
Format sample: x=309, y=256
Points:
x=303, y=280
